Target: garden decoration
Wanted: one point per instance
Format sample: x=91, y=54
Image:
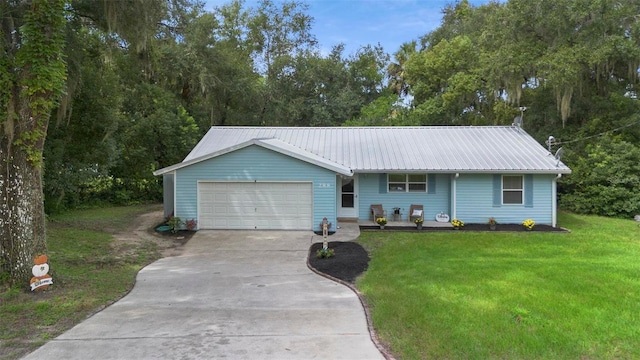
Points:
x=419, y=222
x=41, y=279
x=442, y=217
x=325, y=232
x=382, y=222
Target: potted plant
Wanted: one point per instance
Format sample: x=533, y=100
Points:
x=419, y=222
x=492, y=223
x=457, y=223
x=382, y=221
x=529, y=224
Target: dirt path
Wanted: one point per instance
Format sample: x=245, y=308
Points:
x=142, y=234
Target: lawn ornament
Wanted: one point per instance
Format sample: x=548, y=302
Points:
x=41, y=279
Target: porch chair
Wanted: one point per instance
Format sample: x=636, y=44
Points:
x=416, y=211
x=377, y=211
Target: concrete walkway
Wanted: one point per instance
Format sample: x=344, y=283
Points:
x=231, y=295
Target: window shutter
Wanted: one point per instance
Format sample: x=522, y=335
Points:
x=383, y=184
x=431, y=184
x=497, y=190
x=528, y=190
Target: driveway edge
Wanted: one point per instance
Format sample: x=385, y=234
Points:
x=367, y=311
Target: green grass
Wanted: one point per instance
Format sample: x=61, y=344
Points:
x=87, y=276
x=491, y=295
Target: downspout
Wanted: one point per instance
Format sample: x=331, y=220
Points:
x=175, y=194
x=454, y=196
x=554, y=202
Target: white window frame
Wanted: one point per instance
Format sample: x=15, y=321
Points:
x=514, y=190
x=406, y=184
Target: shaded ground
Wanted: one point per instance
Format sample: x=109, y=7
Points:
x=350, y=260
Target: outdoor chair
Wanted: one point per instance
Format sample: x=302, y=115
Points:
x=416, y=211
x=377, y=211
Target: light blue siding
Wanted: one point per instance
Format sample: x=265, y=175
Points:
x=167, y=188
x=476, y=200
x=373, y=191
x=260, y=164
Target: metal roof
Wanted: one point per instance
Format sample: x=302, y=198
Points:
x=271, y=144
x=443, y=149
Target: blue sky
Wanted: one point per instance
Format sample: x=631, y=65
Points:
x=357, y=23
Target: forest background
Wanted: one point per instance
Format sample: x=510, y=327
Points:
x=128, y=111
x=130, y=87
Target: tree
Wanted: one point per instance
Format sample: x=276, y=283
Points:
x=396, y=70
x=278, y=35
x=604, y=182
x=32, y=77
x=556, y=58
x=81, y=146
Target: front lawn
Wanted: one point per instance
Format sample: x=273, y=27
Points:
x=491, y=295
x=89, y=272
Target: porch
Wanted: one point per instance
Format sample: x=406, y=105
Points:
x=405, y=225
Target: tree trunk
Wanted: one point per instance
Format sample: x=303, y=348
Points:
x=30, y=85
x=22, y=224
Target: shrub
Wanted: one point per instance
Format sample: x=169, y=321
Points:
x=457, y=223
x=529, y=224
x=325, y=253
x=191, y=224
x=175, y=223
x=605, y=181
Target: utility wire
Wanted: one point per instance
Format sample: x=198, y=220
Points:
x=596, y=135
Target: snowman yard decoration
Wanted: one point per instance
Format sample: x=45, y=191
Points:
x=41, y=278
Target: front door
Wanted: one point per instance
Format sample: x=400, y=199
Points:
x=348, y=197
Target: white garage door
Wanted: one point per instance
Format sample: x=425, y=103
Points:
x=255, y=205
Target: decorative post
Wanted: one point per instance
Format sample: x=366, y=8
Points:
x=325, y=232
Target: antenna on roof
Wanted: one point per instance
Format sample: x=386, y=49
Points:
x=550, y=142
x=517, y=121
x=558, y=155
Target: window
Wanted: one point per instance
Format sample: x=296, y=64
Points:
x=512, y=189
x=407, y=182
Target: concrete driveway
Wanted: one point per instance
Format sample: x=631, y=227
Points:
x=231, y=295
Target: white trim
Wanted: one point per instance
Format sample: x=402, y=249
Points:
x=349, y=213
x=502, y=190
x=554, y=201
x=407, y=183
x=270, y=144
x=175, y=195
x=454, y=196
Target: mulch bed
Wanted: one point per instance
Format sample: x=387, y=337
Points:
x=473, y=227
x=349, y=261
x=511, y=227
